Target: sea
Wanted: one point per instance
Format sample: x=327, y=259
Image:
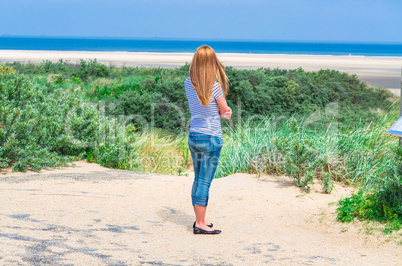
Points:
x=189, y=46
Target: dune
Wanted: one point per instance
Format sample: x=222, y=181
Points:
x=90, y=215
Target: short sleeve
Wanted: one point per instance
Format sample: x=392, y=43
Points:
x=217, y=91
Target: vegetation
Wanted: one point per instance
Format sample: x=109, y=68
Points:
x=323, y=125
x=382, y=204
x=254, y=94
x=40, y=127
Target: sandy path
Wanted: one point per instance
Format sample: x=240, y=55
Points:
x=377, y=71
x=90, y=215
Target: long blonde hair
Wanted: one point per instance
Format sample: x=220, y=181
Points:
x=205, y=68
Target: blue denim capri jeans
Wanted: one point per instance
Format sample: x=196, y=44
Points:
x=205, y=152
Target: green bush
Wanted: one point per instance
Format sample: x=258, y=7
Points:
x=76, y=80
x=45, y=126
x=382, y=204
x=253, y=94
x=300, y=155
x=6, y=70
x=39, y=128
x=163, y=106
x=84, y=70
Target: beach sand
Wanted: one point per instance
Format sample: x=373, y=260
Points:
x=376, y=71
x=92, y=215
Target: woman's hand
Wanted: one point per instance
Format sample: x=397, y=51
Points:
x=223, y=107
x=226, y=115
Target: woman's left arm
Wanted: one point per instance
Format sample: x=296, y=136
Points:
x=223, y=108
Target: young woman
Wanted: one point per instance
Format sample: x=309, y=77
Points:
x=206, y=99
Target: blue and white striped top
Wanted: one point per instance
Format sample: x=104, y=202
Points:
x=204, y=119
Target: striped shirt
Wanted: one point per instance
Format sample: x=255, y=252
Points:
x=204, y=119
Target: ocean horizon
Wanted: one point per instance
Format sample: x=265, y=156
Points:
x=108, y=44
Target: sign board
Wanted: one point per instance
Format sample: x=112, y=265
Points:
x=396, y=129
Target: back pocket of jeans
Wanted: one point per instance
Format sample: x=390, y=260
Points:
x=203, y=144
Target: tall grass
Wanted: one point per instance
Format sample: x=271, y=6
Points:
x=151, y=151
x=357, y=155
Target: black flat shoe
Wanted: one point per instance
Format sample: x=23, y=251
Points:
x=209, y=225
x=198, y=230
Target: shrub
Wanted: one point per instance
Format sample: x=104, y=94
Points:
x=299, y=155
x=91, y=69
x=5, y=70
x=253, y=94
x=76, y=80
x=58, y=79
x=40, y=128
x=383, y=204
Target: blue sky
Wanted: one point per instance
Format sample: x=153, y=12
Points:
x=283, y=20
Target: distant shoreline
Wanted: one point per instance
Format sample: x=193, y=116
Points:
x=382, y=71
x=190, y=45
x=191, y=53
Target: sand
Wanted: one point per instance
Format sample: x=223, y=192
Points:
x=376, y=71
x=91, y=215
